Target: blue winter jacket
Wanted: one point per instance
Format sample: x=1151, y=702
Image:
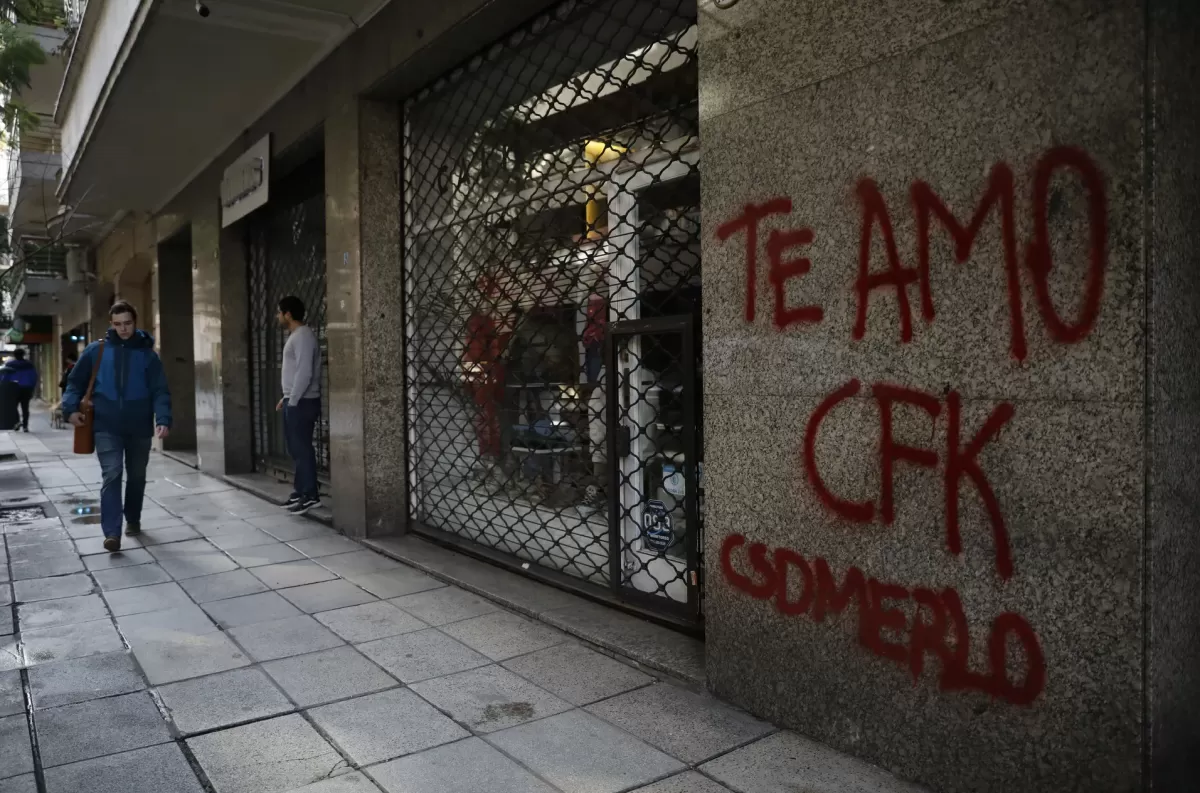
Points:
x=131, y=393
x=23, y=373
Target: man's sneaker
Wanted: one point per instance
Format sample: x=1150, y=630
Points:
x=304, y=505
x=291, y=502
x=112, y=544
x=133, y=529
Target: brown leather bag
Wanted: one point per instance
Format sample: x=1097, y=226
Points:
x=85, y=435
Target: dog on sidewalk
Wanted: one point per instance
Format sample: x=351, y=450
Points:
x=56, y=416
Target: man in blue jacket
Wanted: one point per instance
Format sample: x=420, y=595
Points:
x=24, y=375
x=132, y=406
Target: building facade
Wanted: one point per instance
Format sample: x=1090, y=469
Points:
x=851, y=337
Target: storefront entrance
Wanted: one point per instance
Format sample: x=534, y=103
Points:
x=552, y=263
x=286, y=255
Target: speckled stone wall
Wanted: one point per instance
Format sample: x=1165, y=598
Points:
x=175, y=339
x=1015, y=394
x=364, y=318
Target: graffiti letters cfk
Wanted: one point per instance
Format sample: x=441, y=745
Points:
x=938, y=627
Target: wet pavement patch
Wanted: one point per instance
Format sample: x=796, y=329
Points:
x=86, y=520
x=18, y=514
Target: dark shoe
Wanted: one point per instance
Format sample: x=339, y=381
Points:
x=304, y=505
x=112, y=544
x=291, y=502
x=133, y=529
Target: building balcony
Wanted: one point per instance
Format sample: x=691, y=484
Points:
x=38, y=280
x=196, y=81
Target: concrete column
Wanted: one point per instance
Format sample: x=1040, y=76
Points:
x=364, y=318
x=951, y=423
x=176, y=338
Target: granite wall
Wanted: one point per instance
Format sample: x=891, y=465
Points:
x=176, y=337
x=925, y=382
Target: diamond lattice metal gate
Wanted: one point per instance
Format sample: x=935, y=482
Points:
x=286, y=255
x=552, y=196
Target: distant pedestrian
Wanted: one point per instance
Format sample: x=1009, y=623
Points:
x=68, y=365
x=24, y=375
x=301, y=403
x=131, y=405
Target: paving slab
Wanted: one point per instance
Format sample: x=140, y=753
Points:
x=19, y=784
x=53, y=588
x=45, y=568
x=446, y=604
x=192, y=561
x=286, y=528
x=6, y=592
x=249, y=609
x=272, y=756
x=359, y=562
x=127, y=577
x=577, y=674
x=377, y=620
x=187, y=620
x=470, y=765
x=504, y=635
x=785, y=761
x=326, y=596
x=383, y=726
x=395, y=583
x=101, y=727
x=290, y=574
x=126, y=557
x=24, y=541
x=223, y=586
x=262, y=555
x=12, y=694
x=683, y=724
x=142, y=599
x=70, y=641
x=223, y=700
x=184, y=657
x=330, y=545
x=173, y=533
x=268, y=641
x=10, y=655
x=354, y=782
x=82, y=679
x=90, y=546
x=489, y=699
x=156, y=769
x=64, y=611
x=580, y=753
x=16, y=752
x=422, y=655
x=245, y=536
x=687, y=782
x=327, y=676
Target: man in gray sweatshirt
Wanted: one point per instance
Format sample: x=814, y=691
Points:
x=301, y=403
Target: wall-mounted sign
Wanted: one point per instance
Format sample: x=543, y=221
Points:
x=245, y=182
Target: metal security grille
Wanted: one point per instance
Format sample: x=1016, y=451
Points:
x=286, y=254
x=552, y=264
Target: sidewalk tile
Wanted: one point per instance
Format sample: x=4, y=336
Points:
x=395, y=583
x=267, y=641
x=272, y=756
x=161, y=536
x=369, y=621
x=128, y=577
x=490, y=699
x=71, y=641
x=10, y=656
x=45, y=568
x=687, y=782
x=578, y=752
x=82, y=679
x=218, y=527
x=64, y=586
x=249, y=609
x=69, y=734
x=329, y=675
x=504, y=635
x=445, y=605
x=64, y=611
x=286, y=528
x=577, y=674
x=157, y=626
x=224, y=699
x=326, y=596
x=347, y=565
x=187, y=657
x=8, y=620
x=126, y=557
x=12, y=695
x=16, y=753
x=262, y=555
x=354, y=782
x=289, y=574
x=422, y=655
x=20, y=784
x=142, y=599
x=683, y=724
x=247, y=537
x=223, y=586
x=35, y=537
x=465, y=765
x=194, y=564
x=157, y=769
x=325, y=546
x=91, y=546
x=380, y=727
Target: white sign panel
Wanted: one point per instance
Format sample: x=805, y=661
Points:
x=244, y=185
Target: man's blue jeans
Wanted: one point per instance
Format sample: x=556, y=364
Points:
x=299, y=421
x=119, y=454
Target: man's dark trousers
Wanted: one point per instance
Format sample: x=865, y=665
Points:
x=299, y=421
